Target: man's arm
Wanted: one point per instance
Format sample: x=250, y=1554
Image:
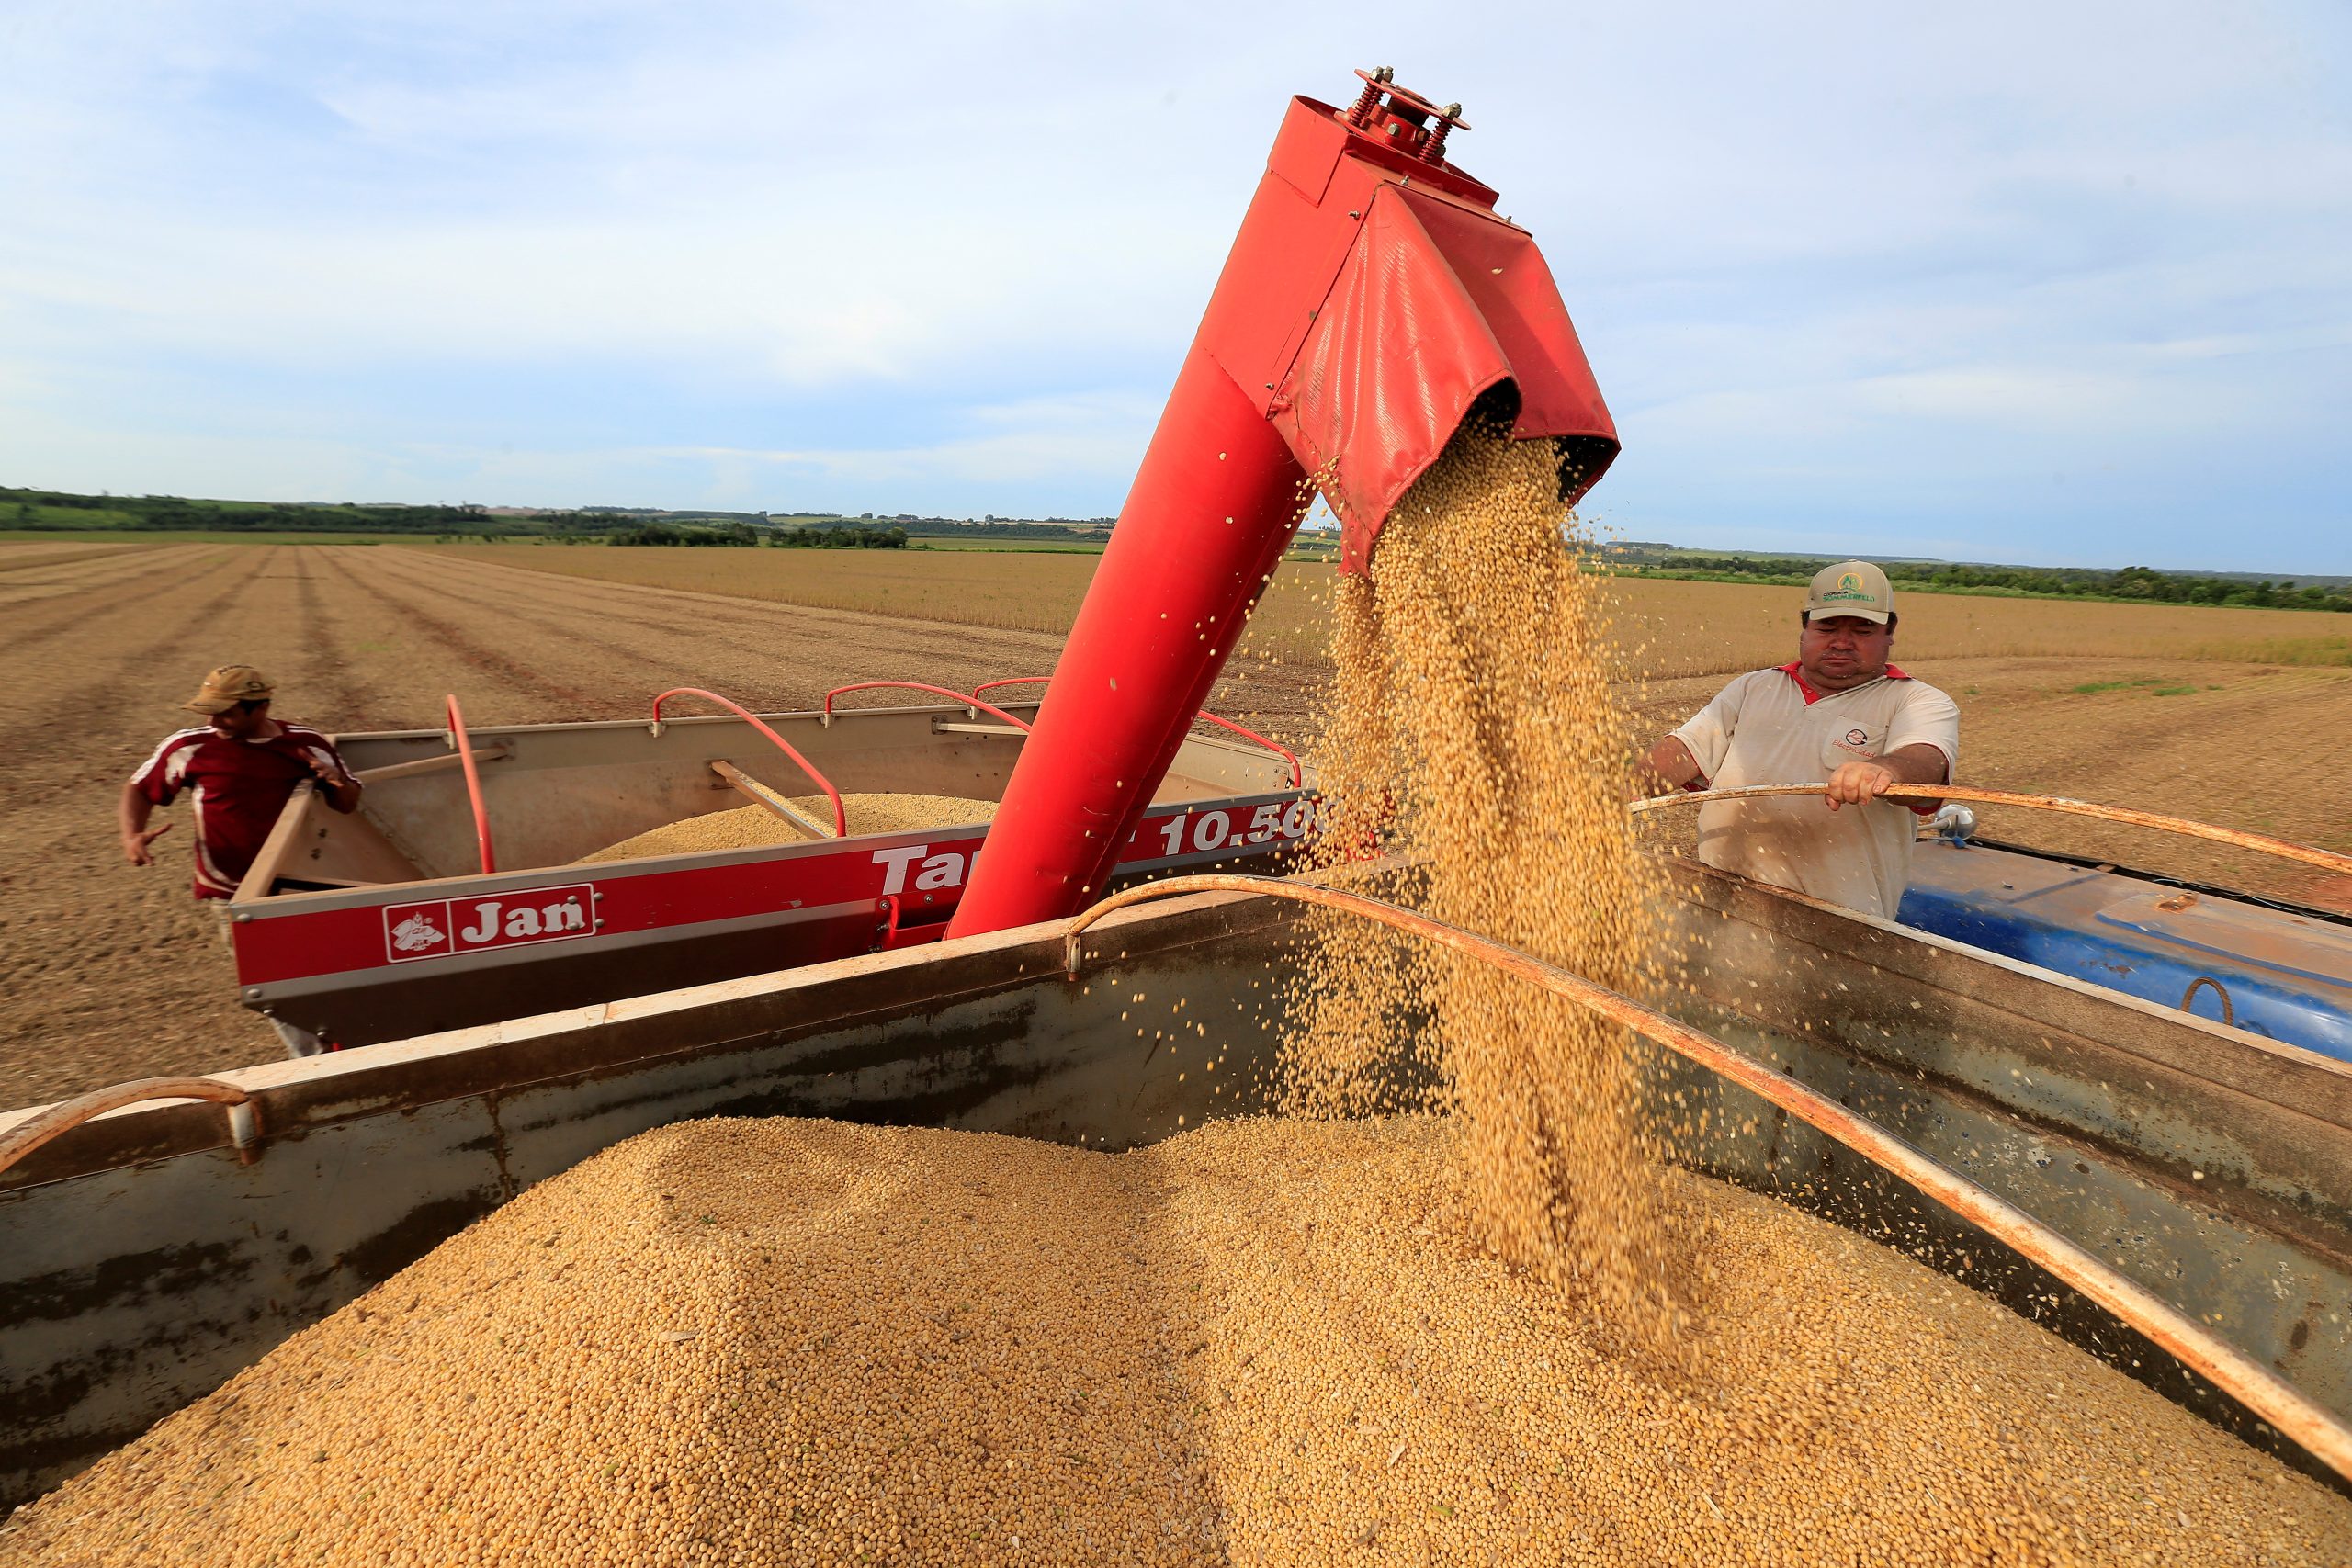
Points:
x=1667, y=767
x=336, y=785
x=136, y=834
x=1920, y=764
x=340, y=792
x=1694, y=752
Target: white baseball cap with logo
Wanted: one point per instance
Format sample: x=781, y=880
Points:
x=1851, y=588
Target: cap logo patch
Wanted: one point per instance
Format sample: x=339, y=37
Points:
x=1849, y=586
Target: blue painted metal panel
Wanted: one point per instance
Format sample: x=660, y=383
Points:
x=2285, y=975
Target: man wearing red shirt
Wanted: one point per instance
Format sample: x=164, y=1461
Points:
x=243, y=765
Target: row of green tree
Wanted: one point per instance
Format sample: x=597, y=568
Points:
x=2131, y=582
x=673, y=534
x=843, y=539
x=39, y=508
x=744, y=534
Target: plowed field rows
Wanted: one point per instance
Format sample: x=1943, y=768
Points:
x=108, y=973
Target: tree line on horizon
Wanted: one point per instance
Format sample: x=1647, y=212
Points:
x=40, y=509
x=2129, y=584
x=724, y=534
x=65, y=511
x=49, y=511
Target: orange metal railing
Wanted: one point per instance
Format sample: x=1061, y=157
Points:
x=2326, y=859
x=244, y=1127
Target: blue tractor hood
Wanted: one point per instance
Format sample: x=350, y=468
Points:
x=2273, y=970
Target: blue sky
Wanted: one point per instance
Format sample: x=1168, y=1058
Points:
x=2050, y=282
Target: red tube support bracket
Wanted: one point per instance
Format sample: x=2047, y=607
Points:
x=1011, y=680
x=1297, y=772
x=1371, y=302
x=840, y=813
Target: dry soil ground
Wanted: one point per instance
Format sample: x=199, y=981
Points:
x=110, y=971
x=107, y=972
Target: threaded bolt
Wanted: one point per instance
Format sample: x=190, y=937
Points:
x=1433, y=148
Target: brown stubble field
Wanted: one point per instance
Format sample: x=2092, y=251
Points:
x=1668, y=627
x=108, y=971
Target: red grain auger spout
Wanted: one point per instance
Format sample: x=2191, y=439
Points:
x=1372, y=299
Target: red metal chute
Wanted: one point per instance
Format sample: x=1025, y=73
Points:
x=1436, y=308
x=1372, y=299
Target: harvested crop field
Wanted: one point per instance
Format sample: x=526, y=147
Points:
x=1668, y=627
x=108, y=973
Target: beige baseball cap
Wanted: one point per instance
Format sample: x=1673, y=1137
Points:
x=227, y=686
x=1851, y=588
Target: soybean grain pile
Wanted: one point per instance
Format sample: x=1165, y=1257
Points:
x=779, y=1341
x=755, y=827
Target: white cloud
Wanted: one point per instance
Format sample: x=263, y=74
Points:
x=1878, y=254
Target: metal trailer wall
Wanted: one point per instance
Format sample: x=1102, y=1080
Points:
x=2211, y=1166
x=140, y=1264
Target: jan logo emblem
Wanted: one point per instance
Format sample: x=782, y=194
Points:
x=417, y=931
x=469, y=925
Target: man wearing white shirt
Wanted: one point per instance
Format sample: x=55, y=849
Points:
x=1840, y=715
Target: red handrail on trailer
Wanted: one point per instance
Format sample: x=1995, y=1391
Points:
x=967, y=698
x=1297, y=774
x=473, y=785
x=1011, y=681
x=840, y=813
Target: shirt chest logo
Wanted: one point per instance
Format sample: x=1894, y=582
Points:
x=1843, y=741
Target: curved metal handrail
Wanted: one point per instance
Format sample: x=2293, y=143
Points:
x=1011, y=680
x=2270, y=1397
x=966, y=698
x=244, y=1126
x=2326, y=859
x=473, y=785
x=840, y=813
x=1297, y=772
